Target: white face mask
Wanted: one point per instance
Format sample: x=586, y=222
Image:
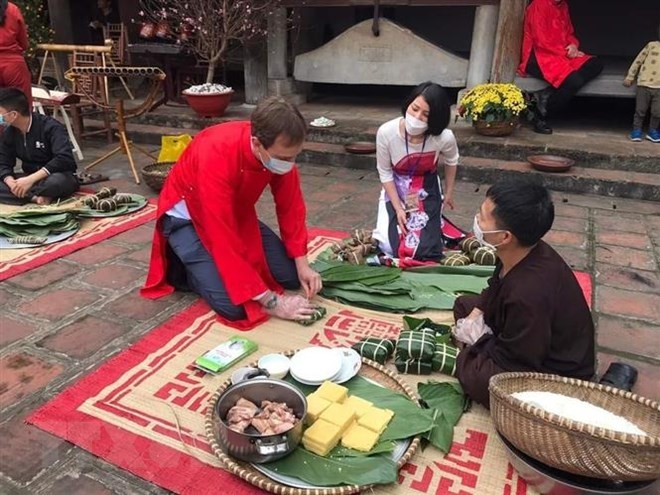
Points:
x=414, y=126
x=479, y=234
x=275, y=165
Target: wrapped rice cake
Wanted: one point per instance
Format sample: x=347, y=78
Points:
x=339, y=415
x=332, y=392
x=358, y=405
x=376, y=419
x=359, y=438
x=321, y=437
x=315, y=406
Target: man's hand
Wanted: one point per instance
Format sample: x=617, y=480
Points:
x=571, y=51
x=11, y=183
x=291, y=308
x=310, y=280
x=402, y=219
x=22, y=186
x=449, y=201
x=628, y=82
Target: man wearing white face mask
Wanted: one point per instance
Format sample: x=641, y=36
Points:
x=410, y=149
x=534, y=306
x=208, y=237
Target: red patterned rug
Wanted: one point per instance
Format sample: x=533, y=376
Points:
x=92, y=230
x=144, y=409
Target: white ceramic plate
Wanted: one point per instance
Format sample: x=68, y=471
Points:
x=315, y=384
x=51, y=239
x=350, y=365
x=400, y=448
x=316, y=364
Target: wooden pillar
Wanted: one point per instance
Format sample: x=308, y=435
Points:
x=255, y=70
x=508, y=40
x=483, y=44
x=277, y=45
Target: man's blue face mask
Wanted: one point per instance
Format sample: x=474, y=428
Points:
x=3, y=120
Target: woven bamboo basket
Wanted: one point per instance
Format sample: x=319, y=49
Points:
x=496, y=128
x=572, y=446
x=156, y=173
x=370, y=369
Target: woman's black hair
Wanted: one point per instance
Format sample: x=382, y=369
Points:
x=439, y=106
x=3, y=11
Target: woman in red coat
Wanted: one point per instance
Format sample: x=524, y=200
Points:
x=550, y=51
x=14, y=72
x=208, y=237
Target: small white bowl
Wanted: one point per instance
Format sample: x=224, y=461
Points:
x=277, y=365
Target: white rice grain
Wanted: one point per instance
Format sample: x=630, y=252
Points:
x=578, y=410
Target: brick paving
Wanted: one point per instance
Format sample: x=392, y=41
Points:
x=59, y=321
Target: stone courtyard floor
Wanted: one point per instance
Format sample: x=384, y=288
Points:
x=62, y=320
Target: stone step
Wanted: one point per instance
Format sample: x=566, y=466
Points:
x=580, y=179
x=604, y=182
x=621, y=155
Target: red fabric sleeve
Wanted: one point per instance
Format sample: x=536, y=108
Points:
x=290, y=208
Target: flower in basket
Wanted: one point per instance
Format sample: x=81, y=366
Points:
x=492, y=102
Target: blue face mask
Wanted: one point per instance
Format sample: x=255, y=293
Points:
x=277, y=166
x=3, y=121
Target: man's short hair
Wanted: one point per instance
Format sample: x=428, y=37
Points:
x=523, y=206
x=275, y=116
x=13, y=99
x=439, y=106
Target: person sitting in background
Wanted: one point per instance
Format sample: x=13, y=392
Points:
x=550, y=51
x=533, y=315
x=42, y=144
x=14, y=72
x=646, y=69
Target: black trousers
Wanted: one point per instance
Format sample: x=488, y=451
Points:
x=562, y=95
x=648, y=99
x=202, y=273
x=56, y=186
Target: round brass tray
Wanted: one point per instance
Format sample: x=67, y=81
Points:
x=371, y=370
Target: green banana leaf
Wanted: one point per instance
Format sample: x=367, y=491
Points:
x=331, y=471
x=476, y=270
x=412, y=323
x=388, y=303
x=448, y=282
x=448, y=402
x=380, y=448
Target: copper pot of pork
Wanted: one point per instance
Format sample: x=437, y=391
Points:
x=260, y=420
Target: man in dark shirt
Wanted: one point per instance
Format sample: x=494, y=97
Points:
x=539, y=318
x=42, y=145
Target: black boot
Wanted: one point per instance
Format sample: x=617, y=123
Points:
x=620, y=375
x=541, y=100
x=540, y=126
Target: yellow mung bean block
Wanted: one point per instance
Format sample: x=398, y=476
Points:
x=332, y=392
x=321, y=437
x=359, y=438
x=358, y=405
x=339, y=415
x=315, y=406
x=376, y=419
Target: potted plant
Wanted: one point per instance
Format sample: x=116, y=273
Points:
x=493, y=108
x=208, y=28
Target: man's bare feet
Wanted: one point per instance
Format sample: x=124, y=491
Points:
x=41, y=200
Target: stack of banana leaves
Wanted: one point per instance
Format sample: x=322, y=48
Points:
x=393, y=290
x=34, y=225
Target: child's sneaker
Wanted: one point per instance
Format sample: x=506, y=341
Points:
x=653, y=135
x=636, y=135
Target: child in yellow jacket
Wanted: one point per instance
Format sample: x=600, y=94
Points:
x=646, y=69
